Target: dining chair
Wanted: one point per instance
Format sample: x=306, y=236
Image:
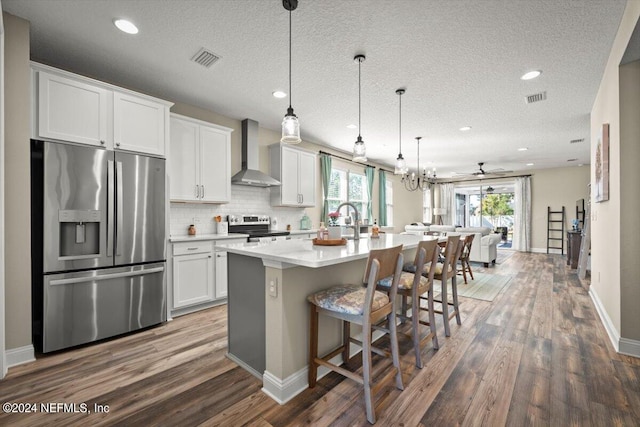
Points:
x=363, y=305
x=412, y=285
x=465, y=267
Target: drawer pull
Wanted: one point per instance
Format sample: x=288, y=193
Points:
x=192, y=249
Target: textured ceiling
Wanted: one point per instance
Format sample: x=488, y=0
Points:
x=459, y=60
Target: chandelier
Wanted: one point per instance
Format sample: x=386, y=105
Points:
x=414, y=181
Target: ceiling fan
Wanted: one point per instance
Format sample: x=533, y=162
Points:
x=481, y=173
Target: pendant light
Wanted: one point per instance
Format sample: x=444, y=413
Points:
x=401, y=164
x=359, y=150
x=290, y=124
x=413, y=181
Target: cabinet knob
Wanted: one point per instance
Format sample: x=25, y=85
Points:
x=117, y=144
x=102, y=141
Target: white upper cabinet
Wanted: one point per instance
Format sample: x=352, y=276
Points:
x=72, y=108
x=295, y=168
x=199, y=161
x=139, y=124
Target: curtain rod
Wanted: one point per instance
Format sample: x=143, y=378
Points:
x=344, y=158
x=482, y=179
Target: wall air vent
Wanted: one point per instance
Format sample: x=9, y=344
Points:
x=205, y=57
x=576, y=141
x=541, y=96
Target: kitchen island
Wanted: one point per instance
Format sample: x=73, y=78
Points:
x=267, y=305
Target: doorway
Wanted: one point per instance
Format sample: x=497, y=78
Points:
x=492, y=206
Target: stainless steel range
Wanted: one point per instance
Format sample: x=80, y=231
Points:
x=258, y=227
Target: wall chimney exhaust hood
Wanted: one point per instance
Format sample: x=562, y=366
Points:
x=249, y=174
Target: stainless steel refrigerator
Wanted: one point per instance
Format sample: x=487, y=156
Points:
x=98, y=243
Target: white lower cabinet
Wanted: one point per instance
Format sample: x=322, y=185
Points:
x=199, y=274
x=222, y=278
x=221, y=275
x=193, y=273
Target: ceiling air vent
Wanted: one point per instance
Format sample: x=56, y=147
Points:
x=576, y=141
x=535, y=97
x=205, y=57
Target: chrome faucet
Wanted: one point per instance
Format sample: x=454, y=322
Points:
x=356, y=225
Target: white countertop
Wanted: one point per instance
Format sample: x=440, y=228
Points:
x=304, y=253
x=174, y=239
x=314, y=231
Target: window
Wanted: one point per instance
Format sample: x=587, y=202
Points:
x=348, y=186
x=426, y=206
x=389, y=196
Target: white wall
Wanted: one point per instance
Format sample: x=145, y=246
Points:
x=611, y=282
x=556, y=187
x=17, y=224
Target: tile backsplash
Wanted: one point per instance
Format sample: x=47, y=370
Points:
x=244, y=200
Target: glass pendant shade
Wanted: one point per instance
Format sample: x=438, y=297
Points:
x=290, y=128
x=359, y=150
x=401, y=166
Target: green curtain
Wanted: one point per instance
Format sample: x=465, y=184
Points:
x=382, y=182
x=369, y=171
x=325, y=168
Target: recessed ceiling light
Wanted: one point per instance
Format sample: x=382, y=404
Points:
x=279, y=94
x=465, y=128
x=580, y=165
x=125, y=26
x=523, y=149
x=352, y=126
x=529, y=164
x=531, y=75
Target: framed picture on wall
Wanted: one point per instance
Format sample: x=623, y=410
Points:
x=601, y=163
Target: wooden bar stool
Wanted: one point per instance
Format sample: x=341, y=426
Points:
x=465, y=267
x=443, y=272
x=413, y=285
x=361, y=304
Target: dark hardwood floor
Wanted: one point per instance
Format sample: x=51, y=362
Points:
x=536, y=355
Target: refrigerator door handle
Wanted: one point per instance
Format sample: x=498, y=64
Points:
x=105, y=276
x=110, y=204
x=119, y=207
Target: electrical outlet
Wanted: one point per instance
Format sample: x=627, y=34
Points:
x=273, y=288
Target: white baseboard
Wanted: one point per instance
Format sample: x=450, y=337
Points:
x=629, y=347
x=612, y=332
x=621, y=345
x=283, y=390
x=20, y=355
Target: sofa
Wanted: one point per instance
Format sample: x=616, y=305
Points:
x=485, y=243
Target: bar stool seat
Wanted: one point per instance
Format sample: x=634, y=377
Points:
x=348, y=299
x=405, y=282
x=365, y=306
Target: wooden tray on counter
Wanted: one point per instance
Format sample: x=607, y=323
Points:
x=330, y=242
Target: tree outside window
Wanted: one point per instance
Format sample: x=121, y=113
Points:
x=347, y=186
